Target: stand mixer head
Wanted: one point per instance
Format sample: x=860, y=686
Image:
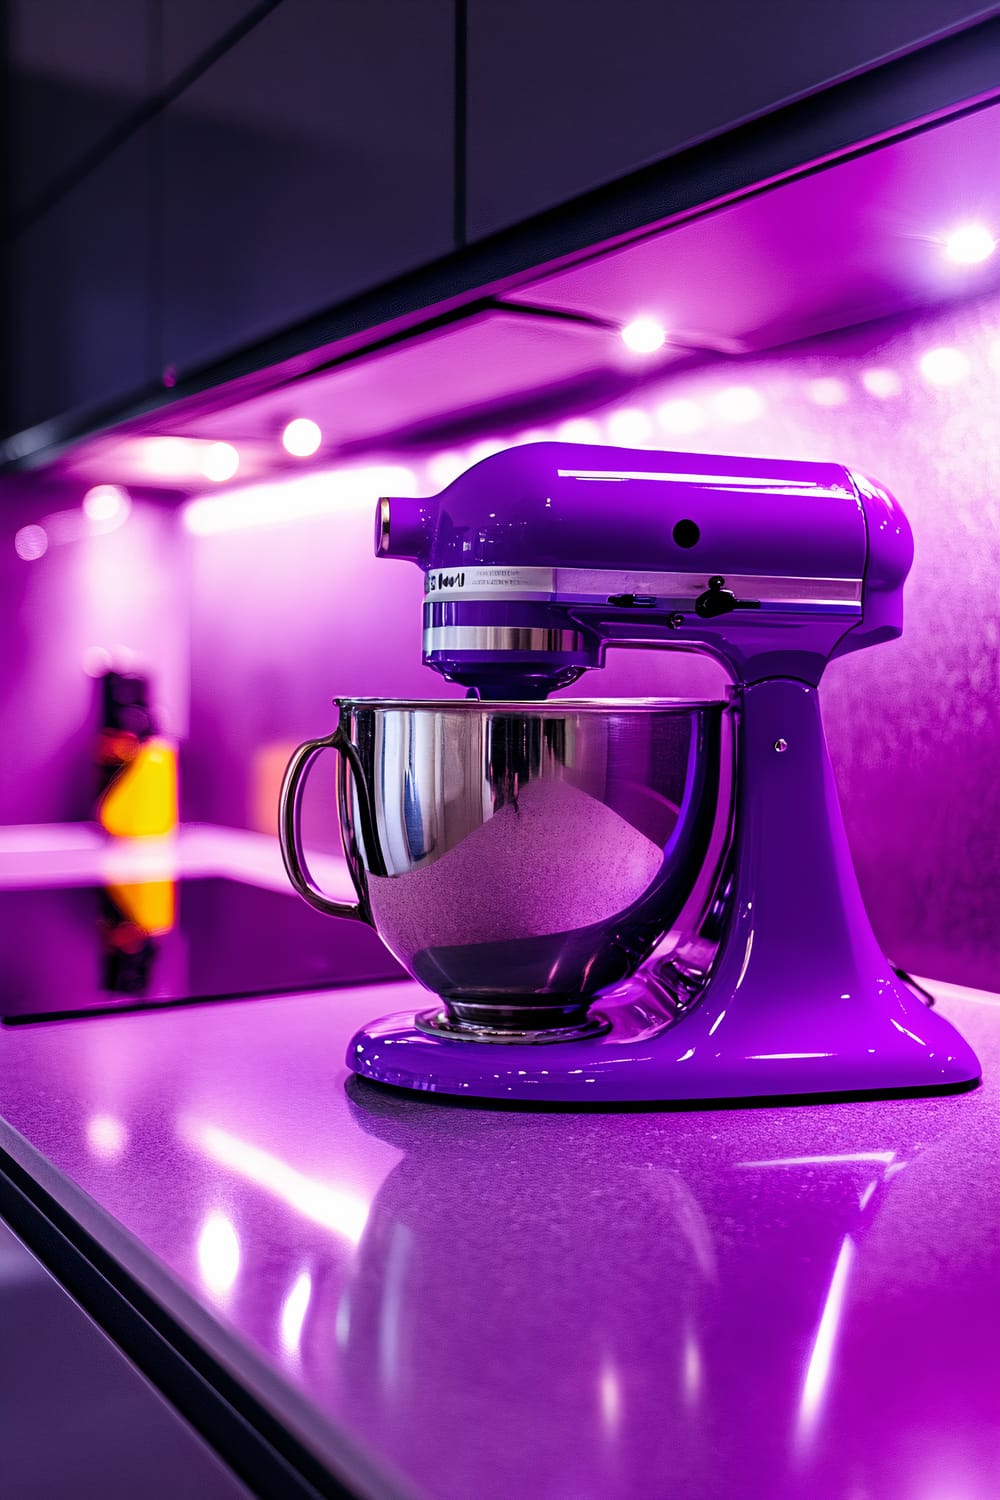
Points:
x=539, y=558
x=536, y=561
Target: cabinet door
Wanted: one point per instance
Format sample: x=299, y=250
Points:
x=77, y=1418
x=190, y=27
x=80, y=294
x=313, y=160
x=76, y=72
x=568, y=94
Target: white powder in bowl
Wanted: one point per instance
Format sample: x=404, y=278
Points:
x=557, y=861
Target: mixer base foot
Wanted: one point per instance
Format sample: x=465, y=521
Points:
x=888, y=1042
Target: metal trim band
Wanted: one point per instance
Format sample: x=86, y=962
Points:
x=590, y=586
x=501, y=638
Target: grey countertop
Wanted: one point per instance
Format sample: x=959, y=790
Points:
x=450, y=1301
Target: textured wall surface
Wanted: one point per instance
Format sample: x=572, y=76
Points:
x=284, y=617
x=287, y=616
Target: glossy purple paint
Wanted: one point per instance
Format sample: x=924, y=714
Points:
x=441, y=1302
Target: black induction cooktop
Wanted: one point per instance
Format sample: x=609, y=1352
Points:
x=71, y=951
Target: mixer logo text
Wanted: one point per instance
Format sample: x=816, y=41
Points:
x=439, y=580
x=504, y=581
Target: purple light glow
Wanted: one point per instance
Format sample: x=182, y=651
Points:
x=170, y=457
x=64, y=526
x=107, y=505
x=314, y=494
x=31, y=543
x=944, y=366
x=106, y=1136
x=302, y=437
x=324, y=1203
x=827, y=392
x=644, y=336
x=882, y=384
x=680, y=416
x=293, y=1312
x=484, y=449
x=578, y=430
x=444, y=467
x=630, y=427
x=738, y=403
x=219, y=462
x=821, y=1357
x=970, y=245
x=218, y=1254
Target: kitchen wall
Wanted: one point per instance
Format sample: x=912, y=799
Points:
x=101, y=591
x=285, y=616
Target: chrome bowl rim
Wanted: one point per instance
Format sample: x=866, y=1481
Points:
x=549, y=706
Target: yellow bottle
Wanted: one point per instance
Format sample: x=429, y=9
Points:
x=138, y=767
x=141, y=801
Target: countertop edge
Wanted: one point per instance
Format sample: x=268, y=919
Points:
x=345, y=1460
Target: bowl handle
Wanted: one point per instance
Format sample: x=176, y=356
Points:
x=290, y=831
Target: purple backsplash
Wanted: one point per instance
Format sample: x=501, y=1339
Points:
x=287, y=616
x=274, y=621
x=121, y=593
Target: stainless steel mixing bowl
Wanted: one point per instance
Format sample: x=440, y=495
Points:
x=518, y=858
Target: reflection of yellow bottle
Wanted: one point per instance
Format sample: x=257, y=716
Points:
x=132, y=917
x=150, y=905
x=138, y=768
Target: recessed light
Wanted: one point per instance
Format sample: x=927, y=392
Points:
x=302, y=437
x=220, y=462
x=31, y=543
x=644, y=336
x=944, y=366
x=106, y=503
x=970, y=244
x=881, y=383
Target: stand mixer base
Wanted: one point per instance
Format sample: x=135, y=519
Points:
x=886, y=1042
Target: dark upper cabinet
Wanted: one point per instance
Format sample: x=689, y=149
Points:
x=80, y=298
x=77, y=71
x=190, y=28
x=568, y=94
x=311, y=161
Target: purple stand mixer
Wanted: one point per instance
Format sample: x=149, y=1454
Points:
x=734, y=958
